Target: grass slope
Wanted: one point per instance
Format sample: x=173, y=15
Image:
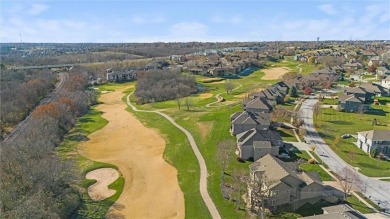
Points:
x=332, y=123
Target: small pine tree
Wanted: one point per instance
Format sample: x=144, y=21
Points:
x=293, y=92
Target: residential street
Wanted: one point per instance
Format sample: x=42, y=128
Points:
x=378, y=191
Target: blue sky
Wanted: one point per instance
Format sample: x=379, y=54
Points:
x=174, y=21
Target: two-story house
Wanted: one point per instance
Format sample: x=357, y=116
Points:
x=243, y=121
x=254, y=144
x=283, y=183
x=374, y=139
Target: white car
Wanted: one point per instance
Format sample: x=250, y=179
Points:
x=283, y=156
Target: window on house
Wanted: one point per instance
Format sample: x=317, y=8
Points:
x=273, y=203
x=275, y=192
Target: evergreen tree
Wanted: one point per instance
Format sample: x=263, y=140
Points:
x=293, y=92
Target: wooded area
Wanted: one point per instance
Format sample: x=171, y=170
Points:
x=155, y=86
x=20, y=91
x=35, y=182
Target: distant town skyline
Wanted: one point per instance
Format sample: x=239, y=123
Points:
x=121, y=21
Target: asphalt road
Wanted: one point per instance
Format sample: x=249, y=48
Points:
x=203, y=168
x=378, y=191
x=23, y=124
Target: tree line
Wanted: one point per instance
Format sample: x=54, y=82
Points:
x=35, y=181
x=20, y=91
x=155, y=86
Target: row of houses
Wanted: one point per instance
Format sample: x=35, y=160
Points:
x=119, y=76
x=219, y=70
x=252, y=127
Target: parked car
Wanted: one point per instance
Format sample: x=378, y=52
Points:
x=346, y=136
x=283, y=155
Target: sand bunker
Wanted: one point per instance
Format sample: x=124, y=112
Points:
x=104, y=177
x=205, y=95
x=274, y=73
x=151, y=187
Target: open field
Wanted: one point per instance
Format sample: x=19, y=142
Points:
x=275, y=73
x=332, y=123
x=137, y=151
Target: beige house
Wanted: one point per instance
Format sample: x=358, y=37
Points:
x=284, y=184
x=254, y=144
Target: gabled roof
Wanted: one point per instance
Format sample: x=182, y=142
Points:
x=258, y=103
x=251, y=118
x=376, y=135
x=387, y=78
x=273, y=168
x=310, y=177
x=343, y=98
x=372, y=88
x=356, y=90
x=253, y=135
x=262, y=144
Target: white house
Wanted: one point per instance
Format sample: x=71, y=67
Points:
x=374, y=139
x=386, y=82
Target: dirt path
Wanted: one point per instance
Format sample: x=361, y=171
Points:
x=274, y=73
x=151, y=187
x=219, y=98
x=104, y=177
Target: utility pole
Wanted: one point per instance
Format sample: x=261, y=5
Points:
x=20, y=35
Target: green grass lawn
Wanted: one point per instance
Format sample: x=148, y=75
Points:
x=316, y=168
x=87, y=124
x=369, y=201
x=287, y=134
x=388, y=180
x=332, y=123
x=357, y=205
x=329, y=101
x=312, y=167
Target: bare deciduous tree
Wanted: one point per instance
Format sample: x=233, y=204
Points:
x=188, y=103
x=224, y=153
x=239, y=185
x=178, y=101
x=229, y=87
x=347, y=178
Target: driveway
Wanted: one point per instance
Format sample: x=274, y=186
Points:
x=378, y=191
